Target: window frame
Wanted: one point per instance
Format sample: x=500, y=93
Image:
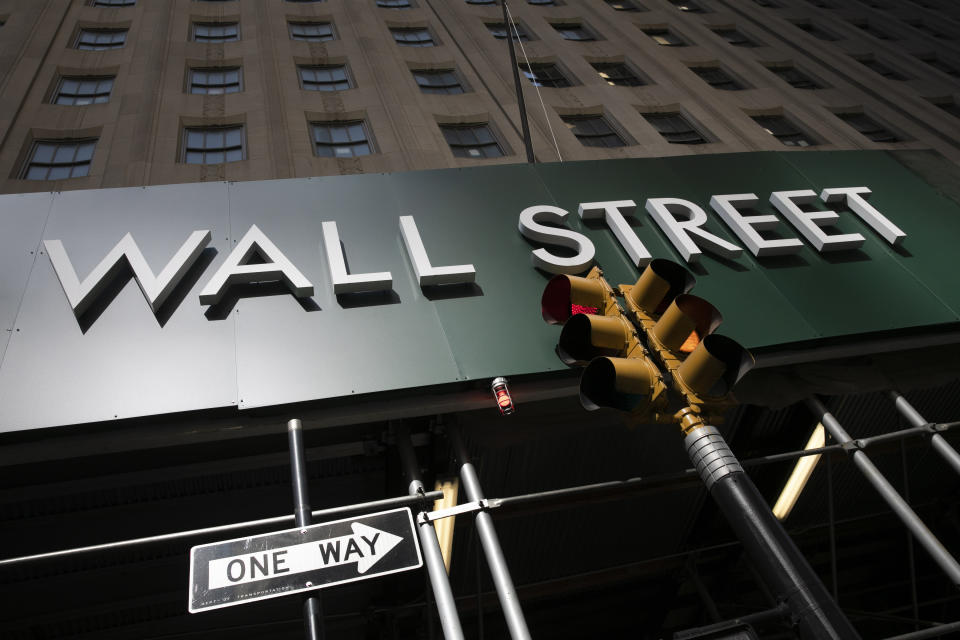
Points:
x=224, y=70
x=208, y=39
x=367, y=139
x=347, y=77
x=789, y=134
x=676, y=136
x=555, y=76
x=664, y=37
x=207, y=130
x=628, y=6
x=57, y=143
x=80, y=80
x=112, y=4
x=82, y=31
x=640, y=81
x=462, y=150
x=722, y=79
x=587, y=139
x=431, y=40
x=582, y=32
x=439, y=89
x=292, y=25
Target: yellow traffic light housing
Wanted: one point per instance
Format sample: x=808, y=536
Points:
x=567, y=296
x=627, y=384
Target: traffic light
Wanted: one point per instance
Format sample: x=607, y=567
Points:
x=597, y=334
x=661, y=335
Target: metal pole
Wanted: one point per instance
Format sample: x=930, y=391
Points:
x=506, y=592
x=933, y=632
x=524, y=126
x=937, y=441
x=776, y=558
x=312, y=611
x=899, y=506
x=442, y=593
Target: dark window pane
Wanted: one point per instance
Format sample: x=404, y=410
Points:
x=624, y=5
x=717, y=78
x=879, y=67
x=869, y=127
x=795, y=78
x=617, y=74
x=784, y=131
x=471, y=141
x=213, y=145
x=665, y=38
x=544, y=75
x=734, y=37
x=675, y=128
x=499, y=31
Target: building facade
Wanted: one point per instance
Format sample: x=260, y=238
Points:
x=153, y=415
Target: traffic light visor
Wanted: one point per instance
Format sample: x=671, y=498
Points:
x=659, y=284
x=686, y=322
x=715, y=366
x=585, y=337
x=566, y=296
x=627, y=384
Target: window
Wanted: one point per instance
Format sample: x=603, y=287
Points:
x=542, y=3
x=869, y=127
x=438, y=81
x=878, y=67
x=215, y=81
x=113, y=3
x=59, y=159
x=312, y=31
x=617, y=74
x=665, y=38
x=213, y=145
x=341, y=139
x=485, y=2
x=213, y=32
x=79, y=90
x=675, y=128
x=545, y=75
x=734, y=37
x=934, y=61
x=815, y=31
x=717, y=78
x=795, y=78
x=574, y=31
x=394, y=4
x=517, y=31
x=784, y=131
x=332, y=77
x=624, y=5
x=770, y=4
x=593, y=131
x=413, y=36
x=471, y=141
x=101, y=39
x=687, y=5
x=823, y=4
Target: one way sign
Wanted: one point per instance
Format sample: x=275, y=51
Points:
x=223, y=574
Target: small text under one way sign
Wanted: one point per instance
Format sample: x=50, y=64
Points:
x=233, y=572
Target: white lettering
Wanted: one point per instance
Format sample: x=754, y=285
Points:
x=344, y=282
x=427, y=274
x=531, y=229
x=859, y=205
x=234, y=269
x=612, y=212
x=746, y=227
x=155, y=289
x=687, y=235
x=809, y=223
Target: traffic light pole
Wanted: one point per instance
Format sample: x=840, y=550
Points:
x=507, y=593
x=312, y=610
x=780, y=564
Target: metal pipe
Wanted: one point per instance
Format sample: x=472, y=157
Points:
x=932, y=632
x=319, y=514
x=442, y=593
x=781, y=613
x=778, y=561
x=899, y=506
x=312, y=608
x=937, y=441
x=506, y=592
x=524, y=125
